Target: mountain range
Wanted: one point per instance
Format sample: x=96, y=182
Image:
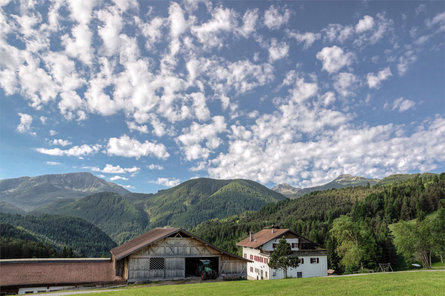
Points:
x=341, y=181
x=28, y=193
x=185, y=205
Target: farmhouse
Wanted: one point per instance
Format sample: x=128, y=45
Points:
x=160, y=254
x=172, y=253
x=259, y=246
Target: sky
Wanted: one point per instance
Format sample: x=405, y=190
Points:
x=153, y=93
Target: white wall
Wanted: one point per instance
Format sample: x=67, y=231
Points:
x=269, y=245
x=257, y=266
x=308, y=269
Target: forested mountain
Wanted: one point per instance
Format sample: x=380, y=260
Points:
x=117, y=216
x=59, y=232
x=8, y=208
x=28, y=193
x=198, y=200
x=186, y=205
x=341, y=181
x=370, y=210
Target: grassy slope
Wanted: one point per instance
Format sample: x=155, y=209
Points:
x=405, y=283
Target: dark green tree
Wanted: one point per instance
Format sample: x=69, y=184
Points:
x=282, y=258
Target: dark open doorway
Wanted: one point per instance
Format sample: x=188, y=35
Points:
x=191, y=265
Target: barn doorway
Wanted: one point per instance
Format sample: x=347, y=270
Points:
x=191, y=265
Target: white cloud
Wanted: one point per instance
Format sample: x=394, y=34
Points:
x=401, y=104
x=43, y=119
x=115, y=178
x=25, y=123
x=249, y=21
x=303, y=90
x=223, y=20
x=277, y=50
x=53, y=163
x=365, y=24
x=328, y=98
x=61, y=142
x=52, y=132
x=111, y=169
x=273, y=19
x=334, y=58
x=197, y=133
x=345, y=83
x=405, y=61
x=337, y=33
x=77, y=151
x=132, y=126
x=374, y=80
x=127, y=147
x=167, y=182
x=307, y=38
x=155, y=167
x=111, y=29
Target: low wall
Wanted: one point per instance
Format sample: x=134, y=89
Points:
x=28, y=272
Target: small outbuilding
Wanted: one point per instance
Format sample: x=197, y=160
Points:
x=172, y=253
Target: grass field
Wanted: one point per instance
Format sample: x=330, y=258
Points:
x=385, y=284
x=438, y=265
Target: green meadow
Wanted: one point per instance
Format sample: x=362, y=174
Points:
x=385, y=284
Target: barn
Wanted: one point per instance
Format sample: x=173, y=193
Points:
x=172, y=253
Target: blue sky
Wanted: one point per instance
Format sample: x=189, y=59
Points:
x=153, y=93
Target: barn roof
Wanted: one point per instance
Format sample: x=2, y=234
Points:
x=155, y=235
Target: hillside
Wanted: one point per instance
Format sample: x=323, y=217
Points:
x=117, y=216
x=198, y=200
x=8, y=208
x=28, y=193
x=312, y=215
x=16, y=242
x=60, y=233
x=341, y=181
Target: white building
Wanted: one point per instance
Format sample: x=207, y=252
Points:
x=259, y=246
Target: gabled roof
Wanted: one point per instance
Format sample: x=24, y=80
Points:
x=266, y=235
x=155, y=235
x=262, y=237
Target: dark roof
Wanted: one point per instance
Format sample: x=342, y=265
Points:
x=262, y=237
x=266, y=235
x=155, y=235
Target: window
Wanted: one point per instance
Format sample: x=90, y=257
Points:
x=157, y=263
x=245, y=255
x=301, y=260
x=294, y=245
x=261, y=259
x=251, y=269
x=251, y=257
x=315, y=260
x=266, y=260
x=265, y=274
x=274, y=246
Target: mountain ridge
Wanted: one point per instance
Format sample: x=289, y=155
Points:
x=342, y=181
x=28, y=193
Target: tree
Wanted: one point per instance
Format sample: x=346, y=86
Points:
x=355, y=242
x=414, y=240
x=281, y=257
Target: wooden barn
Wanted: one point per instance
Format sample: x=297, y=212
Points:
x=172, y=253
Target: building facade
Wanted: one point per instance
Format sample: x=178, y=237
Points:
x=172, y=253
x=258, y=247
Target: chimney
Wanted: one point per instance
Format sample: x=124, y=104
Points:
x=251, y=236
x=273, y=229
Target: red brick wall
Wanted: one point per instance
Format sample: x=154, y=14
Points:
x=26, y=273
